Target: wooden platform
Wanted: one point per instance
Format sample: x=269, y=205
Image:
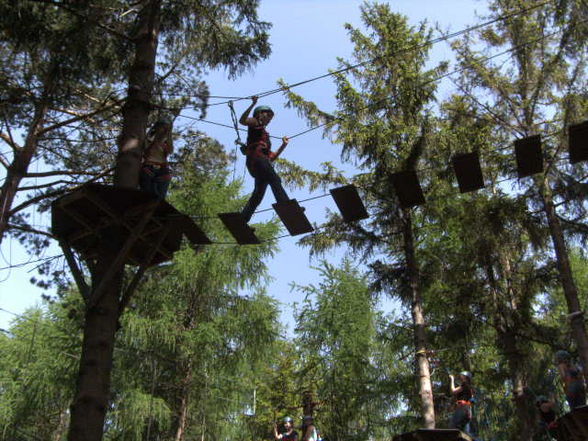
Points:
x=96, y=214
x=408, y=188
x=529, y=156
x=434, y=435
x=573, y=426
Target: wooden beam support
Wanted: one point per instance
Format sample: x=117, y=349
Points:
x=132, y=286
x=75, y=270
x=119, y=261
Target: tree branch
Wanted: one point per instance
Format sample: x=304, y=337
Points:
x=55, y=193
x=28, y=229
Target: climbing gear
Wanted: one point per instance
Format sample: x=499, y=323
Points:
x=242, y=146
x=260, y=109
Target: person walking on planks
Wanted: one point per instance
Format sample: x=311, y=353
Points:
x=572, y=378
x=463, y=395
x=260, y=157
x=155, y=174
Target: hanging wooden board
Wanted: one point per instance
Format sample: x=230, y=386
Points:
x=237, y=226
x=292, y=216
x=468, y=172
x=408, y=189
x=349, y=203
x=578, y=142
x=529, y=156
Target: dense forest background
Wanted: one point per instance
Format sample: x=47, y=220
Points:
x=484, y=281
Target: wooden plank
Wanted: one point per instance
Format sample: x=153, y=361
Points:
x=573, y=426
x=193, y=232
x=578, y=142
x=468, y=172
x=237, y=226
x=349, y=203
x=529, y=156
x=292, y=216
x=408, y=189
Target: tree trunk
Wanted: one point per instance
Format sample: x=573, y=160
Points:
x=565, y=275
x=90, y=404
x=183, y=420
x=136, y=109
x=420, y=331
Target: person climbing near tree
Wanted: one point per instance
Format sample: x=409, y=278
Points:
x=155, y=174
x=547, y=415
x=260, y=157
x=572, y=378
x=309, y=430
x=289, y=434
x=463, y=395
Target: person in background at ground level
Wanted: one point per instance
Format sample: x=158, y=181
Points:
x=309, y=430
x=288, y=434
x=260, y=157
x=155, y=174
x=572, y=379
x=463, y=395
x=547, y=416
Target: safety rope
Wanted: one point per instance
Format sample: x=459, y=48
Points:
x=238, y=143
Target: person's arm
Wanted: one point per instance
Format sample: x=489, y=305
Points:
x=454, y=390
x=276, y=434
x=308, y=433
x=274, y=155
x=245, y=119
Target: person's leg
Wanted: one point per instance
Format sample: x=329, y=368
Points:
x=267, y=171
x=255, y=199
x=146, y=177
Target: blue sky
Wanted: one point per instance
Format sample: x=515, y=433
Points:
x=307, y=37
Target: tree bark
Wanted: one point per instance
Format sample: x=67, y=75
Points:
x=565, y=275
x=420, y=328
x=90, y=404
x=88, y=410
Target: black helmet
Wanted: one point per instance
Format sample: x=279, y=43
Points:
x=260, y=109
x=287, y=419
x=562, y=356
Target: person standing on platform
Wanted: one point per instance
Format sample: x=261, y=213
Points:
x=572, y=378
x=463, y=395
x=155, y=174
